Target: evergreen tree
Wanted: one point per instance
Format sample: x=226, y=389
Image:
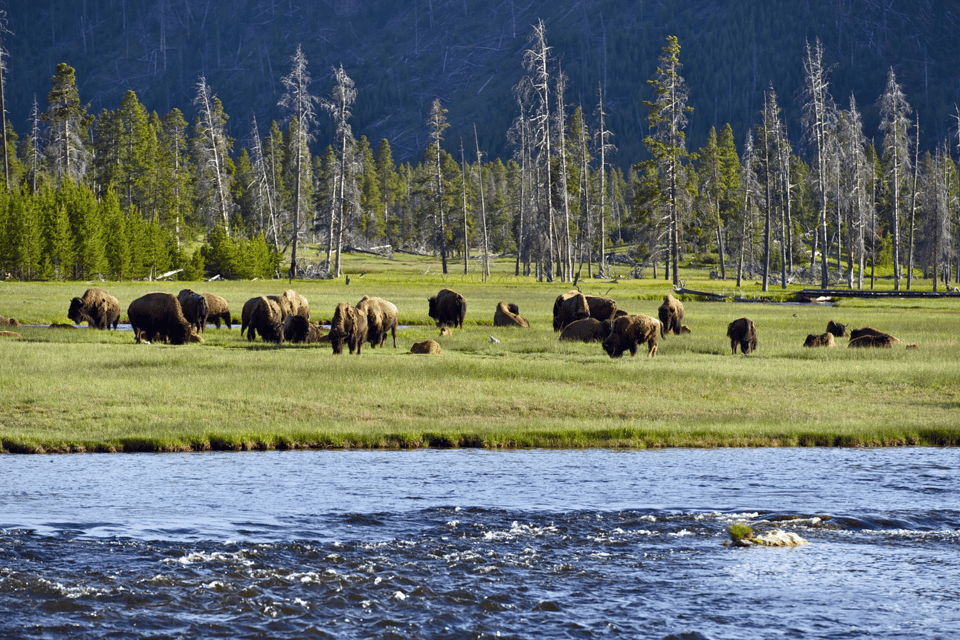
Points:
x=390, y=189
x=372, y=222
x=116, y=241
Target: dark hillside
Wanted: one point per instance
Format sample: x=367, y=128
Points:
x=468, y=53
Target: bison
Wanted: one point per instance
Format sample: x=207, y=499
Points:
x=870, y=331
x=428, y=347
x=671, y=316
x=97, y=308
x=217, y=310
x=293, y=302
x=586, y=330
x=508, y=315
x=12, y=322
x=629, y=331
x=838, y=330
x=742, y=332
x=266, y=319
x=158, y=316
x=881, y=341
x=194, y=308
x=601, y=308
x=349, y=325
x=246, y=312
x=298, y=329
x=822, y=340
x=447, y=308
x=382, y=318
x=569, y=307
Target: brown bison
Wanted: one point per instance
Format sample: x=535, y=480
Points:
x=97, y=308
x=194, y=308
x=293, y=302
x=349, y=325
x=742, y=332
x=601, y=308
x=587, y=330
x=299, y=330
x=568, y=307
x=822, y=340
x=447, y=308
x=629, y=331
x=870, y=331
x=158, y=317
x=217, y=310
x=12, y=322
x=429, y=347
x=246, y=312
x=10, y=334
x=671, y=316
x=382, y=318
x=838, y=330
x=869, y=340
x=508, y=315
x=266, y=319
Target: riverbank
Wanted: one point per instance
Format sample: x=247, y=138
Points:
x=81, y=390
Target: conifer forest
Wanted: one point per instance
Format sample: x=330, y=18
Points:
x=782, y=142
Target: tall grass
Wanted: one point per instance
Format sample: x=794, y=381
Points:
x=85, y=390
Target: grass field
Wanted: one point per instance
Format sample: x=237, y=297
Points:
x=82, y=390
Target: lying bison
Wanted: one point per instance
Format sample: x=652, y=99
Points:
x=629, y=331
x=428, y=347
x=13, y=322
x=508, y=315
x=671, y=316
x=870, y=331
x=349, y=325
x=158, y=317
x=869, y=340
x=447, y=308
x=838, y=330
x=822, y=340
x=742, y=332
x=217, y=310
x=97, y=308
x=382, y=318
x=587, y=330
x=266, y=319
x=194, y=307
x=569, y=307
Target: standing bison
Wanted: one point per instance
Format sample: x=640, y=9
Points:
x=742, y=333
x=382, y=318
x=508, y=315
x=217, y=310
x=298, y=330
x=349, y=325
x=194, y=307
x=629, y=331
x=158, y=316
x=293, y=302
x=97, y=308
x=447, y=308
x=671, y=316
x=601, y=308
x=266, y=319
x=587, y=330
x=568, y=307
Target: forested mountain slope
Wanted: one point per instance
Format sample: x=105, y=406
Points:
x=402, y=55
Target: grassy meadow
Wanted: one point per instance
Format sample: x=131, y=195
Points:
x=66, y=390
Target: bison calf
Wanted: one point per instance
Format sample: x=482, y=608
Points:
x=629, y=331
x=742, y=333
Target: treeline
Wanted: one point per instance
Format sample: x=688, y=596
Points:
x=128, y=193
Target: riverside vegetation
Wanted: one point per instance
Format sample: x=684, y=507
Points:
x=86, y=390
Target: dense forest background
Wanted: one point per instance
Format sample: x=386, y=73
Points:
x=467, y=53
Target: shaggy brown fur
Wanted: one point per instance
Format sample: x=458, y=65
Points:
x=429, y=347
x=601, y=308
x=742, y=332
x=508, y=315
x=266, y=319
x=9, y=322
x=883, y=341
x=587, y=330
x=217, y=310
x=293, y=302
x=870, y=331
x=671, y=316
x=628, y=332
x=299, y=330
x=382, y=318
x=10, y=334
x=447, y=308
x=247, y=311
x=568, y=307
x=348, y=325
x=194, y=308
x=822, y=340
x=97, y=308
x=838, y=330
x=158, y=316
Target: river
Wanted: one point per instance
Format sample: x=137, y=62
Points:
x=480, y=544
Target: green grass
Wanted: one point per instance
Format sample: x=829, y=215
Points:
x=66, y=390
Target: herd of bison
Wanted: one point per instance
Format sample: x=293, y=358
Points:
x=178, y=319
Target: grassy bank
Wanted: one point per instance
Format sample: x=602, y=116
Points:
x=83, y=390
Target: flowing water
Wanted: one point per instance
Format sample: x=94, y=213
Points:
x=474, y=544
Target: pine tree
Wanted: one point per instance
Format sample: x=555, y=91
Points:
x=116, y=241
x=372, y=208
